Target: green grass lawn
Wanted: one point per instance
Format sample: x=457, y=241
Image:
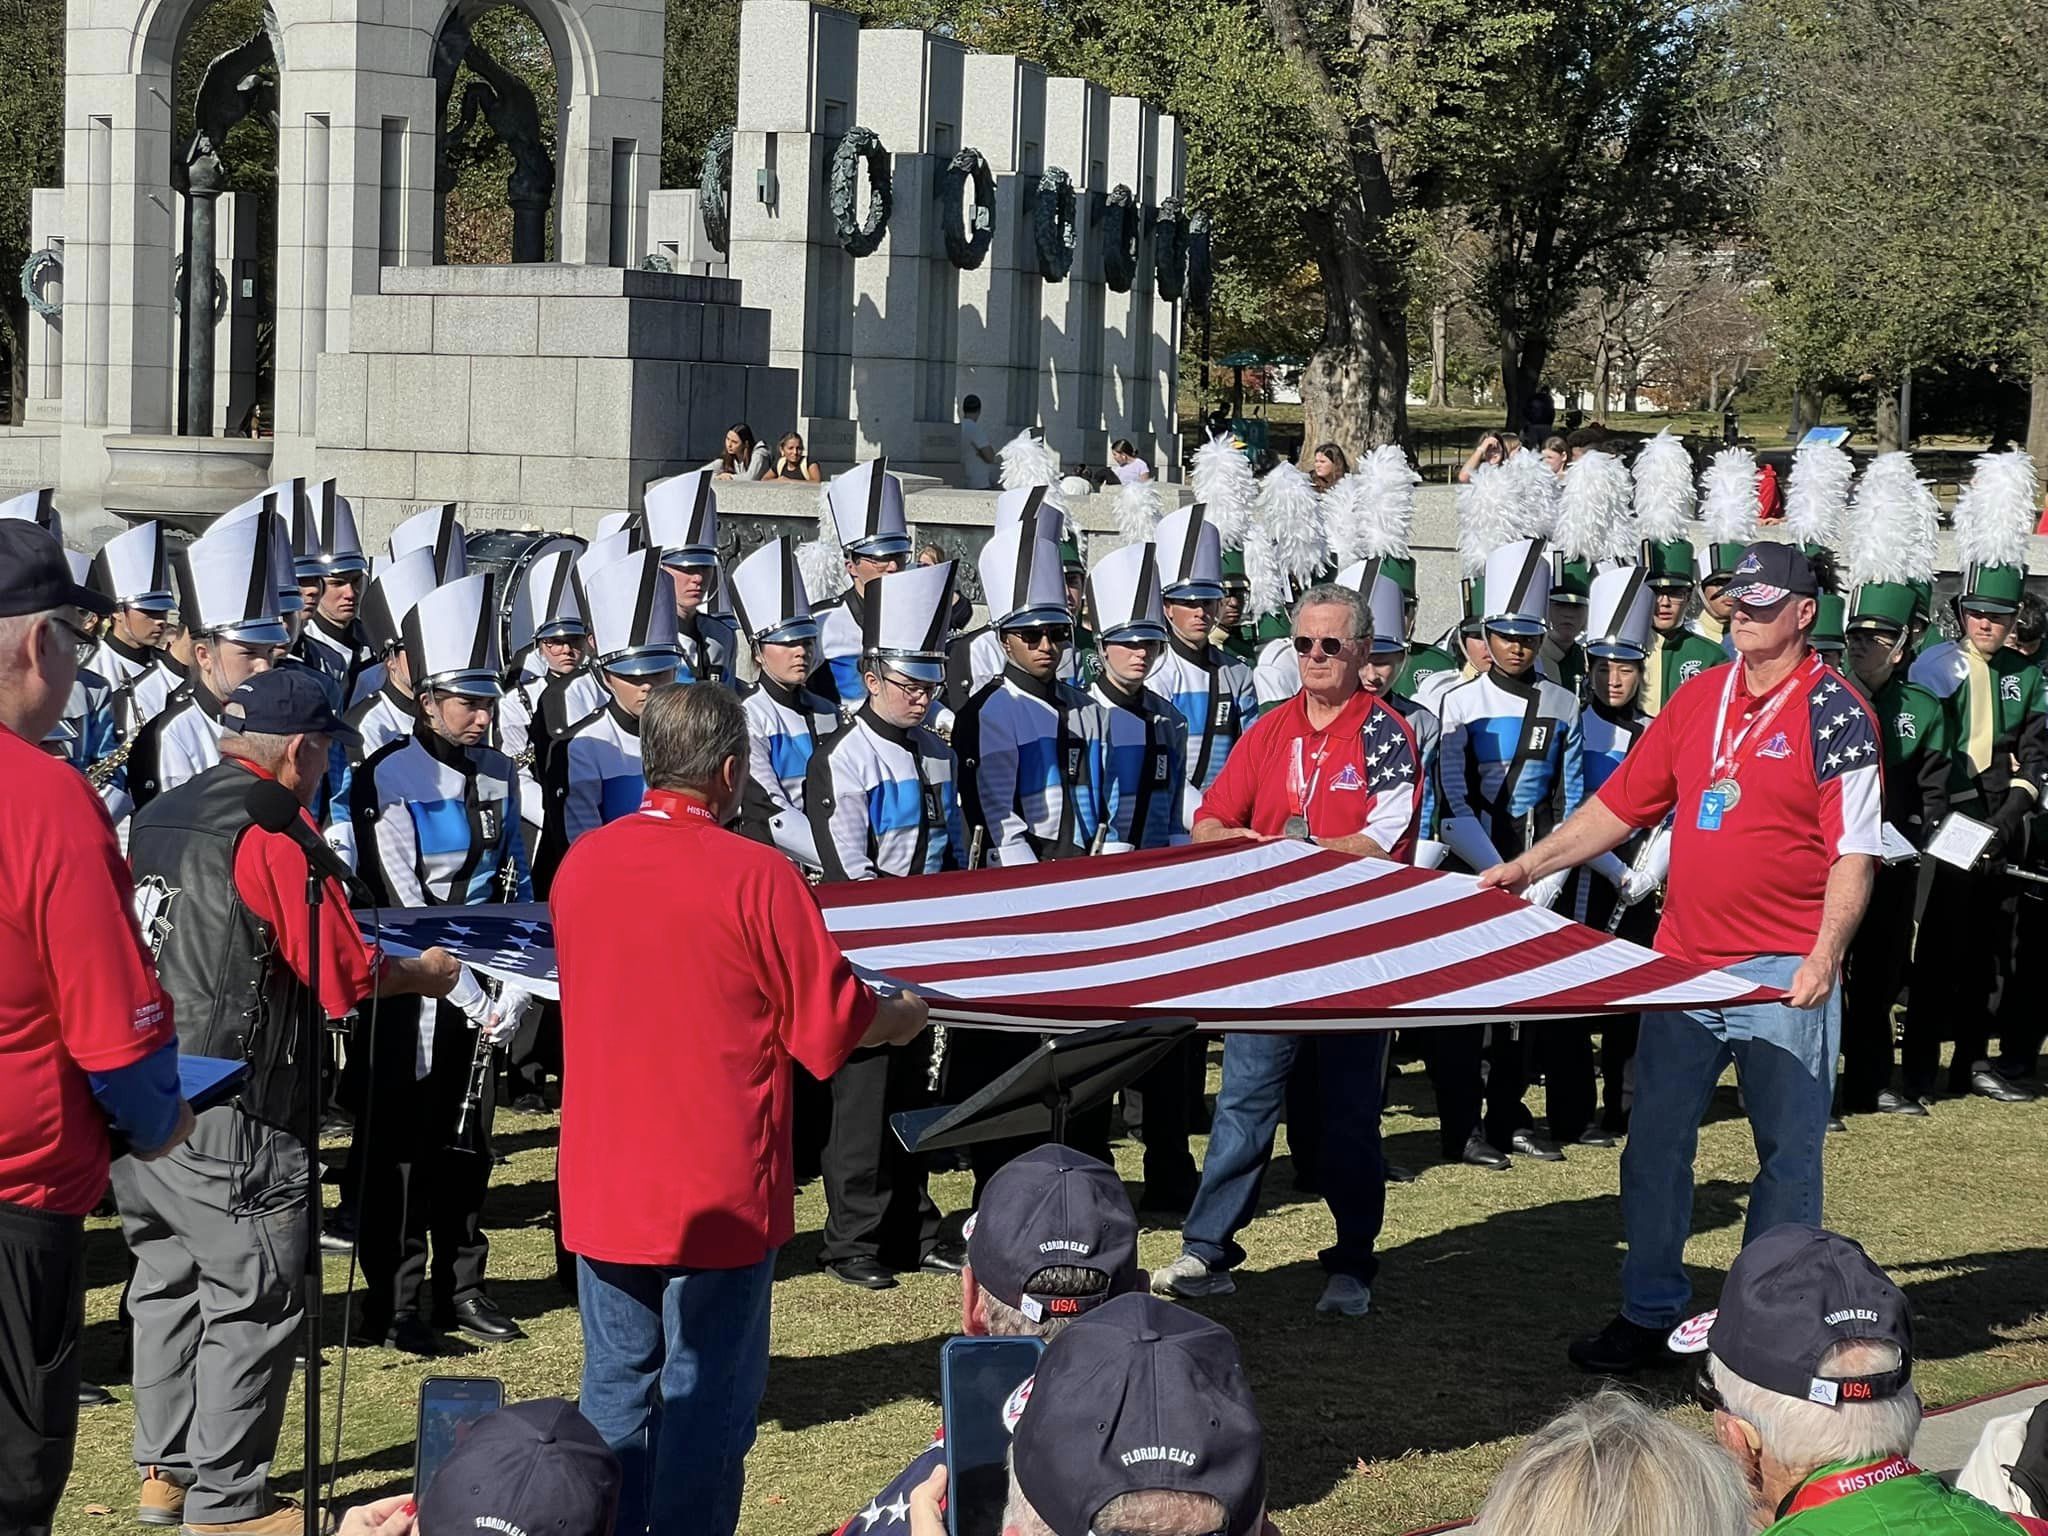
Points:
x=1376, y=1426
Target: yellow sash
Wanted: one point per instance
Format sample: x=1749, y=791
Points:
x=1982, y=711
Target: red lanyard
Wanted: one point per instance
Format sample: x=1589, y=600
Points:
x=1830, y=1486
x=668, y=803
x=1727, y=760
x=1304, y=789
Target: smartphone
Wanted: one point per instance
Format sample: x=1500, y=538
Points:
x=448, y=1406
x=981, y=1393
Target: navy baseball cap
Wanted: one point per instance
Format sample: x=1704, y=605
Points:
x=1137, y=1395
x=1053, y=1206
x=536, y=1466
x=35, y=576
x=1791, y=1296
x=285, y=701
x=1769, y=573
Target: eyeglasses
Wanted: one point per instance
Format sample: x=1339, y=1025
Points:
x=1038, y=634
x=908, y=688
x=1326, y=645
x=1704, y=1392
x=81, y=642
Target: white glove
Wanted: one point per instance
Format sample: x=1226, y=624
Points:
x=1113, y=846
x=1429, y=854
x=1609, y=867
x=470, y=997
x=1009, y=855
x=507, y=1013
x=1543, y=893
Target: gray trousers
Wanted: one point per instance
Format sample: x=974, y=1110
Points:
x=218, y=1230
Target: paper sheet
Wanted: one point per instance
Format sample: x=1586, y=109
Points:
x=1961, y=841
x=1897, y=848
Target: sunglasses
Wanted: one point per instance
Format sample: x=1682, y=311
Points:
x=81, y=642
x=1037, y=634
x=1322, y=645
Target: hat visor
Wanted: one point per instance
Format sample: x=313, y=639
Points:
x=641, y=663
x=149, y=602
x=690, y=557
x=1026, y=617
x=1874, y=624
x=470, y=685
x=91, y=601
x=1616, y=650
x=1196, y=592
x=1996, y=607
x=919, y=667
x=1135, y=634
x=262, y=632
x=565, y=629
x=792, y=633
x=338, y=731
x=1386, y=645
x=1758, y=594
x=1517, y=624
x=882, y=546
x=1668, y=583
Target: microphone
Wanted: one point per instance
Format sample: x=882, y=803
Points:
x=276, y=809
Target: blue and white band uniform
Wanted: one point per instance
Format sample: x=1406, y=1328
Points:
x=884, y=801
x=1216, y=697
x=709, y=645
x=438, y=824
x=1142, y=744
x=552, y=704
x=1027, y=753
x=1510, y=765
x=837, y=670
x=785, y=729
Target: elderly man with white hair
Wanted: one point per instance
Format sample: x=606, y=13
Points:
x=1809, y=1377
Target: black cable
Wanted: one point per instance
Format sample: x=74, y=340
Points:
x=348, y=1295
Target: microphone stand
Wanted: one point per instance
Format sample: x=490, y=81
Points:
x=309, y=1056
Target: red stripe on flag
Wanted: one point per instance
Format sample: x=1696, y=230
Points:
x=992, y=881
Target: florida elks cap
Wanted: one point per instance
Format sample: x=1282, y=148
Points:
x=537, y=1467
x=1136, y=1395
x=1769, y=573
x=1053, y=1207
x=1791, y=1296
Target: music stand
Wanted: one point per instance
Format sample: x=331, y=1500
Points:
x=1065, y=1074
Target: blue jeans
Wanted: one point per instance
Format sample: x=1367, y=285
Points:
x=674, y=1363
x=1255, y=1069
x=1785, y=1062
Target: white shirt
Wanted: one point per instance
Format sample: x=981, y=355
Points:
x=976, y=473
x=1134, y=473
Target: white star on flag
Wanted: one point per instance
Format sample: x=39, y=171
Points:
x=898, y=1510
x=870, y=1515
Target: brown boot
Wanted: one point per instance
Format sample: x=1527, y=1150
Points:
x=286, y=1518
x=162, y=1501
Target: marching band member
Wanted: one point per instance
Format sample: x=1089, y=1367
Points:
x=976, y=658
x=863, y=519
x=548, y=628
x=327, y=557
x=882, y=800
x=1212, y=689
x=786, y=721
x=682, y=522
x=386, y=712
x=437, y=824
x=592, y=773
x=134, y=570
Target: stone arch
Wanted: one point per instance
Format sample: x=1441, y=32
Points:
x=565, y=62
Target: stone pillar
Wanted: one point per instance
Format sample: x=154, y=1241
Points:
x=1077, y=140
x=1127, y=335
x=1000, y=300
x=611, y=95
x=45, y=401
x=1170, y=177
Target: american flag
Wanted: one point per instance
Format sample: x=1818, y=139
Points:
x=1239, y=935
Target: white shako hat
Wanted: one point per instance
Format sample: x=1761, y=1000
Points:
x=38, y=507
x=81, y=566
x=134, y=569
x=451, y=639
x=1618, y=615
x=626, y=522
x=1385, y=602
x=1518, y=587
x=1123, y=596
x=324, y=537
x=270, y=506
x=632, y=607
x=905, y=619
x=682, y=519
x=1028, y=503
x=866, y=504
x=549, y=605
x=227, y=580
x=606, y=548
x=1190, y=555
x=438, y=529
x=394, y=587
x=1021, y=579
x=768, y=594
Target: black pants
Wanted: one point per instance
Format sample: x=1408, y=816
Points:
x=535, y=1053
x=417, y=1186
x=42, y=1313
x=1563, y=1052
x=876, y=1204
x=1617, y=1050
x=2021, y=1024
x=1168, y=1093
x=1964, y=955
x=1872, y=978
x=977, y=1057
x=1454, y=1055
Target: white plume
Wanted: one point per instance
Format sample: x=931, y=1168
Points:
x=1340, y=508
x=1890, y=535
x=1818, y=492
x=1027, y=460
x=822, y=561
x=1138, y=510
x=1373, y=522
x=1592, y=507
x=1996, y=511
x=1224, y=480
x=1664, y=494
x=1290, y=513
x=1489, y=515
x=1536, y=495
x=1728, y=497
x=1270, y=592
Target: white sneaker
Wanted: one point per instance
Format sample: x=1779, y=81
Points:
x=1189, y=1276
x=1345, y=1296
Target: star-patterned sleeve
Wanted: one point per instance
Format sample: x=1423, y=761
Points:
x=1848, y=767
x=889, y=1510
x=1393, y=779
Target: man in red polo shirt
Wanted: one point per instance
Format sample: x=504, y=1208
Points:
x=675, y=1168
x=1771, y=768
x=85, y=1031
x=1336, y=765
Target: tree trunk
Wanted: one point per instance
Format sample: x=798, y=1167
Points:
x=1522, y=360
x=1629, y=385
x=1887, y=418
x=1354, y=391
x=2037, y=408
x=1603, y=371
x=1440, y=355
x=17, y=358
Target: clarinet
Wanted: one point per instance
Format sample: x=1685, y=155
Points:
x=938, y=1061
x=482, y=1053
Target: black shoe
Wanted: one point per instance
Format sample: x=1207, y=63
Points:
x=865, y=1271
x=92, y=1395
x=411, y=1334
x=1481, y=1153
x=482, y=1318
x=1837, y=1126
x=1593, y=1136
x=944, y=1259
x=530, y=1104
x=1987, y=1084
x=335, y=1238
x=1622, y=1348
x=1529, y=1144
x=1398, y=1173
x=1889, y=1103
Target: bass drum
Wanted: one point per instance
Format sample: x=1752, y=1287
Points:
x=508, y=554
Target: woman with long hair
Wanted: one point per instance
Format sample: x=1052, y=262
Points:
x=743, y=458
x=790, y=463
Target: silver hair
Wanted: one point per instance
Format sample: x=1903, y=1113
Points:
x=259, y=747
x=1147, y=1512
x=1608, y=1466
x=1328, y=594
x=1802, y=1435
x=688, y=732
